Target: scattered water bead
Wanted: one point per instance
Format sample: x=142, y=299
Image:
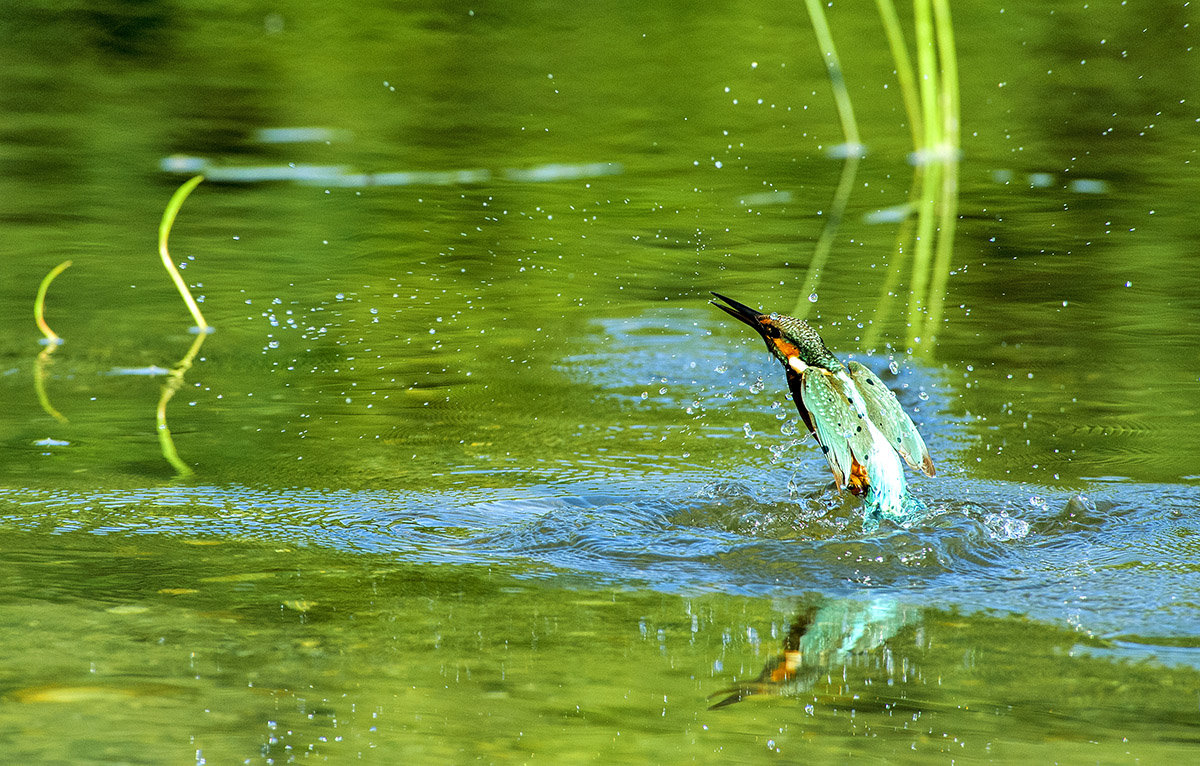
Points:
x=1003, y=527
x=757, y=386
x=893, y=367
x=812, y=297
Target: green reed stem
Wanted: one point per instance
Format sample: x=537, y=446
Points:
x=904, y=69
x=39, y=304
x=833, y=66
x=164, y=231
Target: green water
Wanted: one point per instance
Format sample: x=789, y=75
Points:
x=476, y=474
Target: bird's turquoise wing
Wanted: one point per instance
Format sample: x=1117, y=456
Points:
x=833, y=420
x=846, y=437
x=885, y=412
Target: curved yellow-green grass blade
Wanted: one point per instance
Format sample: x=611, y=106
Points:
x=40, y=302
x=164, y=231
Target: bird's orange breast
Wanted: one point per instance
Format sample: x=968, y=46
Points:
x=786, y=348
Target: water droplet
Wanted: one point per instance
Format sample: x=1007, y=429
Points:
x=757, y=386
x=721, y=368
x=645, y=394
x=747, y=430
x=893, y=367
x=923, y=396
x=812, y=297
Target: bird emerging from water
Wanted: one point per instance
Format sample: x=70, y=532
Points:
x=855, y=418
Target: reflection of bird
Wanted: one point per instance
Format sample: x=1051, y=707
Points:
x=779, y=670
x=854, y=416
x=822, y=637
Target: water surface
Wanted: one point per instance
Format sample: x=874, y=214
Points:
x=471, y=464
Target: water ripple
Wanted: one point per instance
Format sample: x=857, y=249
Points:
x=1121, y=564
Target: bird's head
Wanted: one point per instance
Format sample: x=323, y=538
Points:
x=792, y=341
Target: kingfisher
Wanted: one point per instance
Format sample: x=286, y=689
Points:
x=855, y=418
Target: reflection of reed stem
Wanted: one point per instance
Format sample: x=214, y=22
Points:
x=922, y=252
x=833, y=220
x=39, y=385
x=52, y=342
x=891, y=283
x=172, y=384
x=164, y=230
x=853, y=149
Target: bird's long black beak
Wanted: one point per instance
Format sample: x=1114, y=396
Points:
x=740, y=312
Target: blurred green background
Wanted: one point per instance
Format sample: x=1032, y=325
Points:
x=475, y=464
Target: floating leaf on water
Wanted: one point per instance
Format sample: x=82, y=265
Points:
x=242, y=577
x=73, y=694
x=127, y=609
